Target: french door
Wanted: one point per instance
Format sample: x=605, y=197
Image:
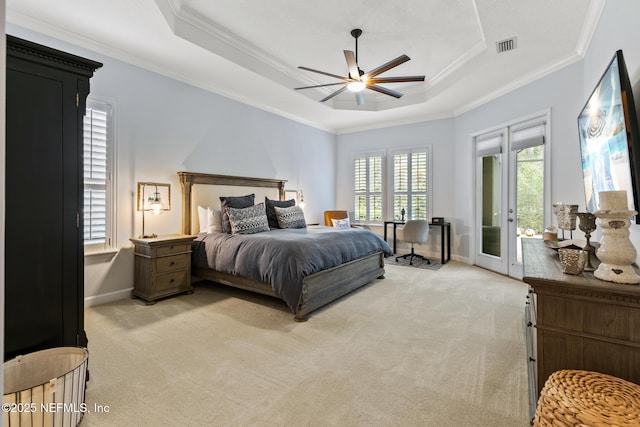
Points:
x=512, y=197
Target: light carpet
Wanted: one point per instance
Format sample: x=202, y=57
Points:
x=418, y=348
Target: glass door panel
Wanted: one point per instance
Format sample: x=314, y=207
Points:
x=491, y=204
x=529, y=195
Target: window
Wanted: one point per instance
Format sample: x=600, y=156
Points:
x=410, y=184
x=98, y=172
x=376, y=199
x=368, y=180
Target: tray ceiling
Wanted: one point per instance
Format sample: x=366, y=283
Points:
x=250, y=50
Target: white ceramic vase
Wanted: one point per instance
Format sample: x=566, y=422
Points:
x=616, y=252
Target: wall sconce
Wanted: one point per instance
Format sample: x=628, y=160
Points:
x=152, y=201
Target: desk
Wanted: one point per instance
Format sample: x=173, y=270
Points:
x=445, y=237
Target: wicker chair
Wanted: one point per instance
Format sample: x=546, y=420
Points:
x=587, y=399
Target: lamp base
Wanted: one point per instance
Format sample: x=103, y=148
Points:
x=148, y=236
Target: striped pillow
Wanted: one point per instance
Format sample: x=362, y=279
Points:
x=248, y=220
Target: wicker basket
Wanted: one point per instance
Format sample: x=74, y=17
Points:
x=588, y=399
x=45, y=388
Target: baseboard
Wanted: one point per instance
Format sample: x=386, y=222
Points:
x=108, y=297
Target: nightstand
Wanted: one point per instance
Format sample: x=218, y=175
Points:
x=162, y=267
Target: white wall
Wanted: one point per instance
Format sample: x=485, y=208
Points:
x=561, y=92
x=164, y=126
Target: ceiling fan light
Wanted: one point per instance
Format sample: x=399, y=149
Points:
x=356, y=86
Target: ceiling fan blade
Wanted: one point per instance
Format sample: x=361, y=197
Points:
x=359, y=98
x=328, y=84
x=353, y=65
x=322, y=72
x=396, y=79
x=339, y=91
x=384, y=67
x=384, y=90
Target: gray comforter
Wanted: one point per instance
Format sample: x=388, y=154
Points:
x=283, y=258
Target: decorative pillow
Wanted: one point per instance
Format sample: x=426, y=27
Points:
x=234, y=202
x=248, y=220
x=271, y=212
x=202, y=219
x=291, y=217
x=210, y=220
x=341, y=223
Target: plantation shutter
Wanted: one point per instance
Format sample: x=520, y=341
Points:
x=368, y=183
x=95, y=176
x=410, y=176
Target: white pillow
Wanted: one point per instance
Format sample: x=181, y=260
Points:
x=341, y=223
x=210, y=220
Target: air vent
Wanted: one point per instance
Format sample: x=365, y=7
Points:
x=507, y=45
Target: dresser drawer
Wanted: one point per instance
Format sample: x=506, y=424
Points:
x=172, y=263
x=170, y=280
x=172, y=249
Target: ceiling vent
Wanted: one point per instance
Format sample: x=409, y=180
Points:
x=507, y=45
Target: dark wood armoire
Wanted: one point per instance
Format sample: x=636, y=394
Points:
x=46, y=91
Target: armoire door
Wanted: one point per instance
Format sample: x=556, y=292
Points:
x=44, y=286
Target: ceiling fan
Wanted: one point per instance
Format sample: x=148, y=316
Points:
x=358, y=80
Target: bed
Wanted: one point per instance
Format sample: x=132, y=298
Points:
x=356, y=259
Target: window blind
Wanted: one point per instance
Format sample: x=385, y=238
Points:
x=529, y=136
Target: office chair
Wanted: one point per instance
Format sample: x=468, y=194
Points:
x=415, y=231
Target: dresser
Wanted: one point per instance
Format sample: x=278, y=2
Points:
x=44, y=257
x=162, y=266
x=578, y=322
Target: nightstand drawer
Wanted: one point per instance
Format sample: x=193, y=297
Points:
x=172, y=263
x=170, y=280
x=172, y=249
x=162, y=266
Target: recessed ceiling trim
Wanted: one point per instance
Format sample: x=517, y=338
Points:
x=457, y=64
x=516, y=84
x=191, y=26
x=591, y=22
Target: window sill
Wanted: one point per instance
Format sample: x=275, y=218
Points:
x=96, y=257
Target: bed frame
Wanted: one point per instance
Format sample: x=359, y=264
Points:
x=318, y=289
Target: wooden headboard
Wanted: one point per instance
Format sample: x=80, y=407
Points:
x=273, y=188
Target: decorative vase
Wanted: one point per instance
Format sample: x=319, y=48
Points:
x=566, y=217
x=616, y=252
x=572, y=260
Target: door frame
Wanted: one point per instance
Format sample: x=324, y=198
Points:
x=507, y=263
